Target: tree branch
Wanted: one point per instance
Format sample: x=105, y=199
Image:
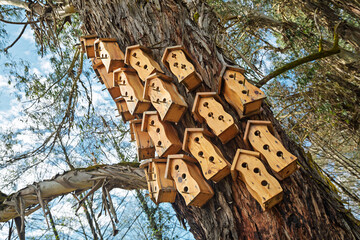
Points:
x=124, y=175
x=16, y=3
x=322, y=54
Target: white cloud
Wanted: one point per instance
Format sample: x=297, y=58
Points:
x=29, y=35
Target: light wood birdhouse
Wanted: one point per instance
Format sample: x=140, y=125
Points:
x=108, y=50
x=207, y=107
x=106, y=78
x=165, y=97
x=160, y=188
x=100, y=70
x=131, y=90
x=239, y=93
x=145, y=147
x=87, y=45
x=123, y=110
x=213, y=164
x=188, y=180
x=178, y=61
x=163, y=134
x=139, y=57
x=259, y=134
x=261, y=185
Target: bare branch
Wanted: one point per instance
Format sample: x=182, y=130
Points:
x=117, y=176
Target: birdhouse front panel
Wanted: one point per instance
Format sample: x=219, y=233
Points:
x=144, y=144
x=262, y=186
x=239, y=93
x=188, y=180
x=131, y=90
x=213, y=164
x=160, y=188
x=108, y=50
x=123, y=110
x=177, y=61
x=87, y=45
x=280, y=160
x=207, y=108
x=165, y=98
x=139, y=58
x=163, y=134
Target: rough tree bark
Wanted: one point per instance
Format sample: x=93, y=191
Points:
x=310, y=210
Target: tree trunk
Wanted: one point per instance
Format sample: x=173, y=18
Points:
x=310, y=209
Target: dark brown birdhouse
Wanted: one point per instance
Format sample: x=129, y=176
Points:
x=163, y=134
x=108, y=50
x=261, y=185
x=213, y=164
x=188, y=180
x=145, y=147
x=139, y=57
x=123, y=110
x=165, y=97
x=160, y=188
x=87, y=45
x=259, y=134
x=239, y=93
x=178, y=61
x=207, y=107
x=131, y=90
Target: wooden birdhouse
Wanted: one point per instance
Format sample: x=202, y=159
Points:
x=139, y=57
x=259, y=134
x=100, y=70
x=87, y=45
x=213, y=164
x=165, y=97
x=207, y=107
x=123, y=110
x=261, y=185
x=178, y=61
x=188, y=180
x=161, y=189
x=106, y=78
x=239, y=93
x=145, y=147
x=108, y=50
x=131, y=90
x=163, y=134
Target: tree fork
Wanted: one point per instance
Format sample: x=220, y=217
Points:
x=310, y=210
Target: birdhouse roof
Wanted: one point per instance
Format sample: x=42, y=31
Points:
x=131, y=48
x=176, y=156
x=145, y=120
x=227, y=67
x=188, y=132
x=234, y=172
x=97, y=63
x=198, y=96
x=132, y=133
x=256, y=122
x=85, y=38
x=174, y=48
x=161, y=76
x=145, y=163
